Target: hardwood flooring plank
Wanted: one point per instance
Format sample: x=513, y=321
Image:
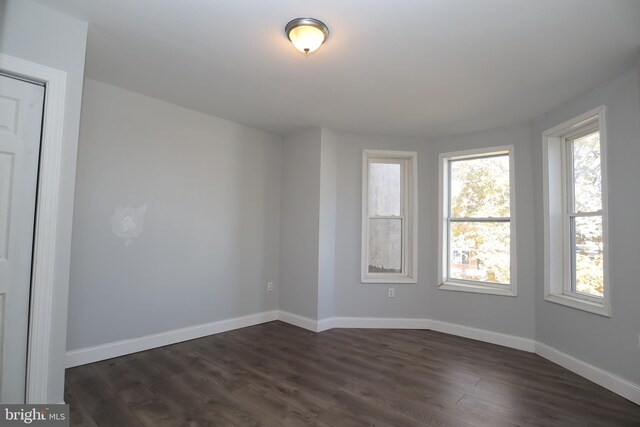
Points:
x=113, y=413
x=521, y=417
x=77, y=413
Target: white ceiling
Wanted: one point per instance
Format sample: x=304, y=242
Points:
x=389, y=67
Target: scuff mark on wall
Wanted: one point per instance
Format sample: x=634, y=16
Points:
x=127, y=222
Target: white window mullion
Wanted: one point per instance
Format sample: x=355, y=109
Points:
x=482, y=219
x=585, y=214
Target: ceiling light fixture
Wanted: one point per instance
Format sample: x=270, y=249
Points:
x=306, y=34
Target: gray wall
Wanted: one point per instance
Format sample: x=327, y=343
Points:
x=299, y=223
x=211, y=231
x=327, y=224
x=355, y=299
x=308, y=224
x=38, y=34
x=508, y=315
x=609, y=343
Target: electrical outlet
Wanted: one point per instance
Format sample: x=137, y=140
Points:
x=270, y=286
x=392, y=293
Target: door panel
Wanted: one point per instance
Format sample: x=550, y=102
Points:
x=8, y=114
x=20, y=125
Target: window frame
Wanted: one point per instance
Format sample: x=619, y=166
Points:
x=408, y=215
x=558, y=200
x=569, y=211
x=451, y=284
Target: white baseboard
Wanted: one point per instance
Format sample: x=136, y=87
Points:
x=300, y=321
x=606, y=379
x=352, y=322
x=380, y=323
x=134, y=345
x=325, y=324
x=484, y=335
x=505, y=340
x=599, y=376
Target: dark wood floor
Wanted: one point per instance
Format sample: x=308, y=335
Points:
x=279, y=375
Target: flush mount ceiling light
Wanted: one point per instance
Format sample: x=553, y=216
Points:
x=306, y=34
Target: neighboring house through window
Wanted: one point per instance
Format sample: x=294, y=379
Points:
x=389, y=217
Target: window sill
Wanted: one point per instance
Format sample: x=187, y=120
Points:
x=477, y=289
x=390, y=279
x=580, y=304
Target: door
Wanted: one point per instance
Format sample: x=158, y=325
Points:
x=21, y=106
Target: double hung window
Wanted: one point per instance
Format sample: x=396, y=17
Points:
x=575, y=198
x=389, y=226
x=477, y=222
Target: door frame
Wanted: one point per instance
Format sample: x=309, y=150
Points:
x=46, y=221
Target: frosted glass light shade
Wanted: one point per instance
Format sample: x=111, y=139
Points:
x=306, y=38
x=306, y=34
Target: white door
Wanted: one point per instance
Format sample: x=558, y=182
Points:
x=21, y=106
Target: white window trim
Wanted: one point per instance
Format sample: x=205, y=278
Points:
x=556, y=262
x=446, y=283
x=410, y=232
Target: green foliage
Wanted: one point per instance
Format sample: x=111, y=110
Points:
x=480, y=189
x=587, y=189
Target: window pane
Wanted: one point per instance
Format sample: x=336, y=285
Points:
x=480, y=251
x=480, y=187
x=586, y=173
x=385, y=245
x=384, y=189
x=589, y=259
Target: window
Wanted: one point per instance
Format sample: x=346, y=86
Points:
x=575, y=197
x=389, y=219
x=477, y=234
